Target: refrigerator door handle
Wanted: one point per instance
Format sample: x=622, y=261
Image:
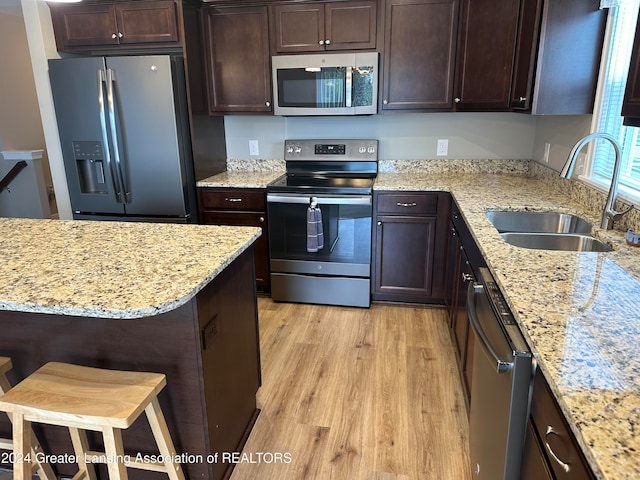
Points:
x=105, y=137
x=126, y=195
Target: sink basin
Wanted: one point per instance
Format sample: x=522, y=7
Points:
x=556, y=241
x=538, y=222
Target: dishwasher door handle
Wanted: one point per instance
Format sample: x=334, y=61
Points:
x=474, y=289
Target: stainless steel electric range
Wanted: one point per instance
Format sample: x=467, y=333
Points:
x=320, y=214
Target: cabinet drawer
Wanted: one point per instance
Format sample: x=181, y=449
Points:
x=233, y=199
x=408, y=203
x=565, y=457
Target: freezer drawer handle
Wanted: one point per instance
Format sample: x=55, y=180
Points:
x=551, y=431
x=476, y=288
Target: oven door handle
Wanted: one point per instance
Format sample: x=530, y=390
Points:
x=322, y=200
x=474, y=289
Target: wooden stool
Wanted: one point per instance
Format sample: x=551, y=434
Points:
x=44, y=469
x=84, y=398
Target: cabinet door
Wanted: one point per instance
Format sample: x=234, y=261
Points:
x=525, y=59
x=84, y=25
x=404, y=255
x=147, y=22
x=487, y=51
x=534, y=462
x=419, y=54
x=260, y=247
x=631, y=103
x=298, y=28
x=237, y=56
x=350, y=25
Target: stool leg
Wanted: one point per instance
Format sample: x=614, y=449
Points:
x=45, y=472
x=81, y=448
x=21, y=447
x=115, y=453
x=163, y=439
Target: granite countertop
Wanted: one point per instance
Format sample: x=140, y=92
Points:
x=120, y=270
x=578, y=311
x=240, y=179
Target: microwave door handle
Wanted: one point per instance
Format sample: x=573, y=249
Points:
x=126, y=196
x=105, y=136
x=348, y=85
x=473, y=290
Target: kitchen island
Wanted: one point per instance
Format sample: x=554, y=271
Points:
x=169, y=298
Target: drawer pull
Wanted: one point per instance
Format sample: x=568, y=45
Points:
x=232, y=199
x=412, y=204
x=550, y=431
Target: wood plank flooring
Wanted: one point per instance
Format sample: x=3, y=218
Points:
x=352, y=393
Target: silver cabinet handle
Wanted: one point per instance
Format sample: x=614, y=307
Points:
x=467, y=277
x=385, y=102
x=327, y=42
x=401, y=204
x=457, y=99
x=551, y=431
x=321, y=42
x=232, y=199
x=523, y=99
x=267, y=103
x=114, y=36
x=261, y=219
x=379, y=223
x=120, y=35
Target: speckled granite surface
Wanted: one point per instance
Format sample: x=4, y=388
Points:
x=111, y=269
x=241, y=179
x=579, y=311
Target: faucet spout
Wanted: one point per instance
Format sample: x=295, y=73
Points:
x=609, y=214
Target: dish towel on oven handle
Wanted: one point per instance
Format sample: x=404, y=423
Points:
x=315, y=234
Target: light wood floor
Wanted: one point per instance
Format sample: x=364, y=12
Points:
x=355, y=393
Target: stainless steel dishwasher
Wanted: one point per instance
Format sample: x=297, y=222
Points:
x=503, y=369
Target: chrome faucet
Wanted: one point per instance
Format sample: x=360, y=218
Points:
x=608, y=213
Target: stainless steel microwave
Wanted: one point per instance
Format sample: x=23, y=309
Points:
x=325, y=84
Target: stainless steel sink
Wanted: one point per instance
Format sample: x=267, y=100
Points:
x=538, y=222
x=556, y=241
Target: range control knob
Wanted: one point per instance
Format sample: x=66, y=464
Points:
x=371, y=150
x=362, y=150
x=297, y=149
x=289, y=149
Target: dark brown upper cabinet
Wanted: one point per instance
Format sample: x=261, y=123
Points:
x=319, y=27
x=631, y=102
x=418, y=59
x=141, y=24
x=558, y=56
x=486, y=55
x=237, y=59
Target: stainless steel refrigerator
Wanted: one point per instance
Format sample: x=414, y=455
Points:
x=124, y=130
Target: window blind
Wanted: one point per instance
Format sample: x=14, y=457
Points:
x=612, y=93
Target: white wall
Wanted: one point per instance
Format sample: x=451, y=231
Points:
x=20, y=125
x=410, y=136
x=562, y=133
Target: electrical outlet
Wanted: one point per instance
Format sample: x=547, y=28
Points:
x=253, y=148
x=547, y=147
x=443, y=147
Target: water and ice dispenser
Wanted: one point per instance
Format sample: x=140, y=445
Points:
x=90, y=165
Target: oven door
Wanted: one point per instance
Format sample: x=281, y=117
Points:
x=346, y=225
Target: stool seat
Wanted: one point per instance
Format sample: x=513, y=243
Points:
x=84, y=397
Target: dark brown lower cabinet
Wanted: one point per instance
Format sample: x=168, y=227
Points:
x=240, y=207
x=409, y=229
x=551, y=446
